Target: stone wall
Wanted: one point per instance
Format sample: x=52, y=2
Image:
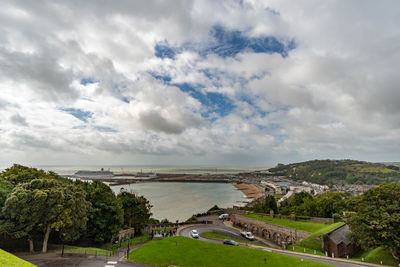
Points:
x=279, y=235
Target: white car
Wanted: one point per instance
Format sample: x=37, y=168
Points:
x=248, y=235
x=194, y=234
x=224, y=216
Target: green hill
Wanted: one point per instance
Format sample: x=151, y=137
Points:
x=339, y=172
x=8, y=259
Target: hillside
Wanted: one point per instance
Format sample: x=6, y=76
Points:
x=339, y=172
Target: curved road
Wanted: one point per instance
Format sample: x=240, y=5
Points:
x=236, y=234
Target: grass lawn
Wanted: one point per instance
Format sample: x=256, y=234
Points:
x=186, y=252
x=85, y=250
x=8, y=259
x=314, y=241
x=299, y=225
x=215, y=235
x=376, y=256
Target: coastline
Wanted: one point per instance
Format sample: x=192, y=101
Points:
x=250, y=190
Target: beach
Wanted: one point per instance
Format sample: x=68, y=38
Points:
x=250, y=190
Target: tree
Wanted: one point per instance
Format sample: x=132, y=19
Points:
x=270, y=204
x=377, y=219
x=18, y=174
x=5, y=189
x=106, y=216
x=128, y=202
x=43, y=205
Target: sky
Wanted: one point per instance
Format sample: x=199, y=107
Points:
x=244, y=83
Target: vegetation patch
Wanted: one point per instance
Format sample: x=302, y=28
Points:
x=312, y=244
x=220, y=236
x=339, y=172
x=376, y=256
x=8, y=259
x=299, y=225
x=186, y=252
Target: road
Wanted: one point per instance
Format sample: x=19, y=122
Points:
x=236, y=234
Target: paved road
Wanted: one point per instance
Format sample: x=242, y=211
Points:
x=53, y=259
x=236, y=234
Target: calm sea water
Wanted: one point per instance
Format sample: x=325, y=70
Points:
x=174, y=200
x=68, y=170
x=179, y=201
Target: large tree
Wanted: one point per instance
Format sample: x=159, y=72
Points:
x=377, y=219
x=43, y=205
x=136, y=210
x=106, y=216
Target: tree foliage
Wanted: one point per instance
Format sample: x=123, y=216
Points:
x=136, y=210
x=43, y=205
x=331, y=172
x=377, y=218
x=106, y=216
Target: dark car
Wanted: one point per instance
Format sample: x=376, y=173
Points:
x=230, y=242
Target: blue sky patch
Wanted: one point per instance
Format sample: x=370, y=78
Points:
x=214, y=102
x=226, y=43
x=87, y=80
x=78, y=113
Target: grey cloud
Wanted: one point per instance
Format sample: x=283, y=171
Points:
x=154, y=121
x=18, y=120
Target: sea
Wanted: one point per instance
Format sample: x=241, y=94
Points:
x=174, y=200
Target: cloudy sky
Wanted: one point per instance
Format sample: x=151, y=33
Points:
x=198, y=82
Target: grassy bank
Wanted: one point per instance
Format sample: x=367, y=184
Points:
x=215, y=235
x=186, y=252
x=376, y=256
x=312, y=244
x=299, y=225
x=8, y=259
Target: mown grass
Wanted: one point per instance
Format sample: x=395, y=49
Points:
x=299, y=225
x=8, y=259
x=186, y=252
x=220, y=236
x=314, y=241
x=376, y=256
x=88, y=250
x=106, y=250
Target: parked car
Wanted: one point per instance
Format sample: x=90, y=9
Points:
x=230, y=242
x=224, y=216
x=194, y=234
x=248, y=235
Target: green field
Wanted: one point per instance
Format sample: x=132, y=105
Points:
x=186, y=252
x=314, y=241
x=299, y=225
x=376, y=256
x=8, y=259
x=215, y=235
x=88, y=250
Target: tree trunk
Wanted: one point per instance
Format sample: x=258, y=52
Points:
x=395, y=253
x=46, y=238
x=31, y=247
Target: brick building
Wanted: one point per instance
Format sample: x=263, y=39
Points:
x=338, y=244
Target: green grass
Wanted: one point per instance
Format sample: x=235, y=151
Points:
x=8, y=259
x=134, y=241
x=314, y=241
x=299, y=225
x=107, y=250
x=376, y=256
x=186, y=252
x=88, y=250
x=215, y=235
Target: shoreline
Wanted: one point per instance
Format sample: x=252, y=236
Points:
x=249, y=190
